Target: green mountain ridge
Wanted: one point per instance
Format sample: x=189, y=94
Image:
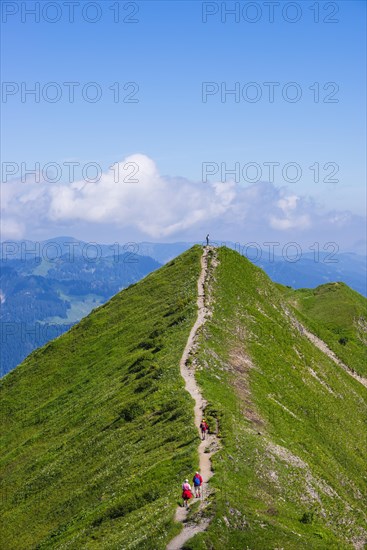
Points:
x=98, y=429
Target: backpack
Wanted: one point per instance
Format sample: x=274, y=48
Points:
x=196, y=481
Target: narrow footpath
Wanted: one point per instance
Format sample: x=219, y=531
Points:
x=211, y=442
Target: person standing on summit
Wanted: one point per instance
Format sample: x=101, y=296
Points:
x=207, y=240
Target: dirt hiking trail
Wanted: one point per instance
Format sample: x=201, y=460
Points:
x=211, y=442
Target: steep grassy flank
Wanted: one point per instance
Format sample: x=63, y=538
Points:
x=291, y=473
x=338, y=315
x=98, y=430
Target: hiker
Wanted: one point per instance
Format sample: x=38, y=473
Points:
x=207, y=240
x=197, y=481
x=204, y=428
x=186, y=492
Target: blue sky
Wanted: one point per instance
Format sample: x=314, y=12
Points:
x=169, y=53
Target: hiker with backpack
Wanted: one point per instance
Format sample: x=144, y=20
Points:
x=186, y=492
x=204, y=428
x=197, y=481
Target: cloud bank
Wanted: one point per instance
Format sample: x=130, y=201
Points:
x=165, y=208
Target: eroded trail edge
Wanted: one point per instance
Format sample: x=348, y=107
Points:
x=320, y=344
x=210, y=444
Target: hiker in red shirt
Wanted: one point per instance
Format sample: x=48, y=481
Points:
x=186, y=492
x=204, y=428
x=197, y=481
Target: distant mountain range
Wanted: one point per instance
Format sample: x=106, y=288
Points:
x=41, y=299
x=47, y=286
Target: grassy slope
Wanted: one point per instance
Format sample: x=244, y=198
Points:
x=98, y=429
x=309, y=457
x=338, y=315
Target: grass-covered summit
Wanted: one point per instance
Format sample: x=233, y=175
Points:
x=99, y=430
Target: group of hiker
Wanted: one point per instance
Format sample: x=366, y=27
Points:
x=197, y=480
x=187, y=491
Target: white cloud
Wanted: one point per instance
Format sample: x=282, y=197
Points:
x=11, y=229
x=158, y=206
x=167, y=208
x=300, y=222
